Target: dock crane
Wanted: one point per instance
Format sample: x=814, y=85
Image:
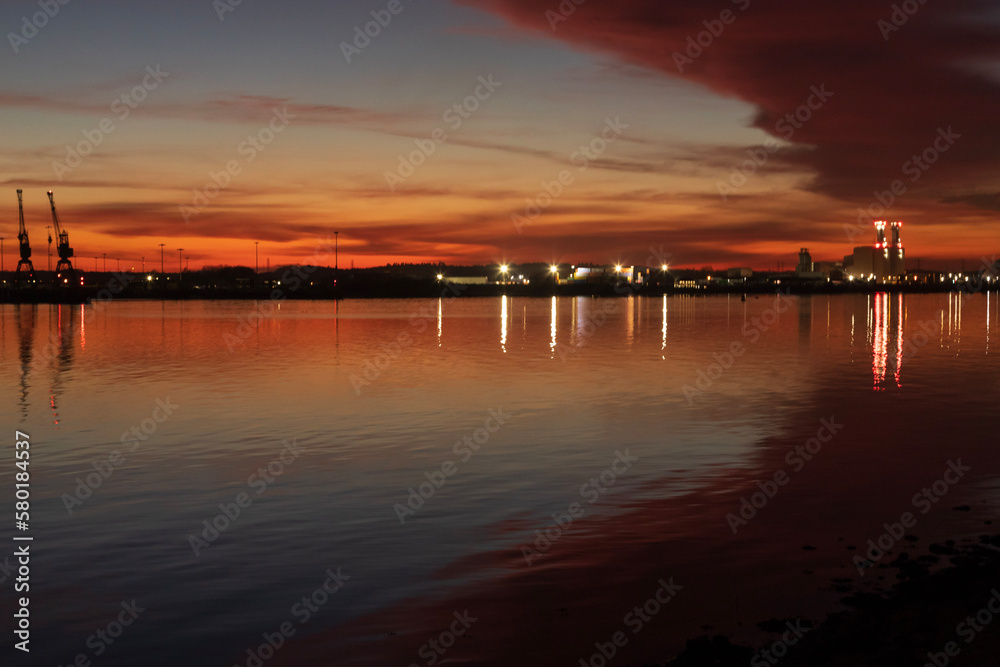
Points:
x=24, y=267
x=64, y=266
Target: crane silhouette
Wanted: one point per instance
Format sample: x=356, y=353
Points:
x=25, y=269
x=64, y=268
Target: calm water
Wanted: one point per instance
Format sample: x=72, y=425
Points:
x=376, y=394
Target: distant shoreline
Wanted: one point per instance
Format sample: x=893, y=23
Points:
x=424, y=290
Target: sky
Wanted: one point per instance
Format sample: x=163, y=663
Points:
x=464, y=131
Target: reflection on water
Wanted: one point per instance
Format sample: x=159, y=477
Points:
x=663, y=345
x=554, y=327
x=503, y=323
x=56, y=351
x=289, y=377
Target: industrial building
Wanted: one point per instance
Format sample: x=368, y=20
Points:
x=883, y=262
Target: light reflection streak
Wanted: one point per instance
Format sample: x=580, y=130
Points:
x=899, y=341
x=663, y=347
x=630, y=323
x=880, y=343
x=503, y=323
x=553, y=328
x=868, y=307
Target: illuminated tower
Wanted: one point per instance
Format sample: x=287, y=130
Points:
x=880, y=255
x=897, y=256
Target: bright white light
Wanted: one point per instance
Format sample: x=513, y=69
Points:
x=440, y=276
x=504, y=268
x=618, y=268
x=554, y=269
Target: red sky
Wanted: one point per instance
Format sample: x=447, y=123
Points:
x=678, y=119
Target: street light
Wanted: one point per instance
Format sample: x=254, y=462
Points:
x=504, y=269
x=336, y=257
x=48, y=261
x=256, y=263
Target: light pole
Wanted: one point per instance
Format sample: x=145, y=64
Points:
x=144, y=264
x=161, y=258
x=256, y=255
x=336, y=258
x=48, y=261
x=180, y=268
